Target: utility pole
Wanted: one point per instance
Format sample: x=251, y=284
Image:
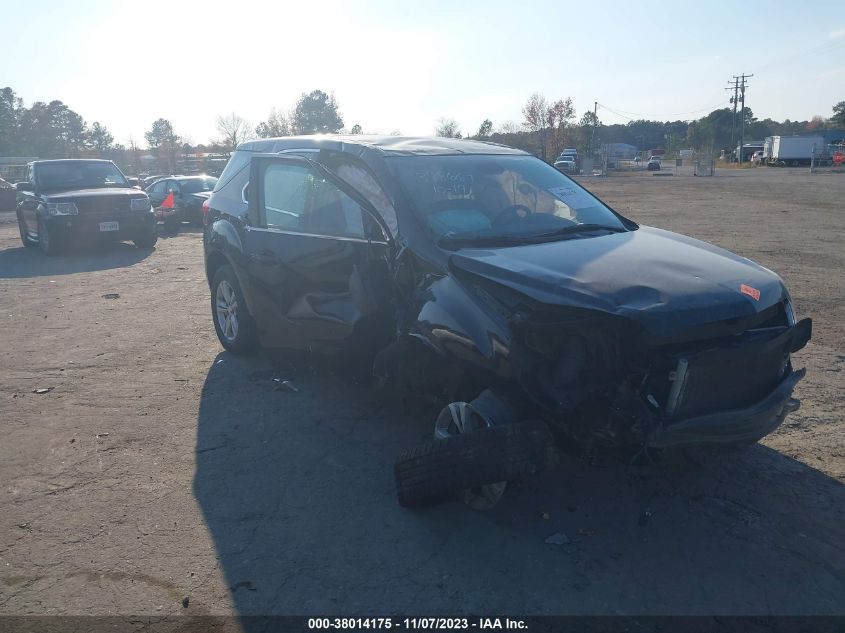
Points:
x=733, y=101
x=742, y=86
x=595, y=124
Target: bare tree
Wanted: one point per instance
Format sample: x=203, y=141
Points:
x=233, y=129
x=535, y=112
x=448, y=128
x=559, y=117
x=275, y=125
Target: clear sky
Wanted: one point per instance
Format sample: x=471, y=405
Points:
x=396, y=65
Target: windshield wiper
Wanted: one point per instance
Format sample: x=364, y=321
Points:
x=518, y=240
x=580, y=228
x=483, y=240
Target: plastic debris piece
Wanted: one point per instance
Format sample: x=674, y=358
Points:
x=42, y=390
x=558, y=538
x=285, y=384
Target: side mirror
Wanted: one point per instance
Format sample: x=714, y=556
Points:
x=23, y=186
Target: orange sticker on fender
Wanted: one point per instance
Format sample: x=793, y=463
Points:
x=751, y=292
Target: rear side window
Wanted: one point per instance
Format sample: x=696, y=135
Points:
x=236, y=163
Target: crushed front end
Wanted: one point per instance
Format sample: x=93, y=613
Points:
x=605, y=377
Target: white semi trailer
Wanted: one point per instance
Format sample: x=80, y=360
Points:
x=793, y=150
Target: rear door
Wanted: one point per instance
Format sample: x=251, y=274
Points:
x=317, y=256
x=156, y=192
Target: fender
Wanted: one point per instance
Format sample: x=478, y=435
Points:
x=453, y=322
x=223, y=240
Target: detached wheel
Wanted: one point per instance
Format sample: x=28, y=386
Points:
x=470, y=461
x=27, y=241
x=232, y=322
x=149, y=240
x=46, y=242
x=459, y=418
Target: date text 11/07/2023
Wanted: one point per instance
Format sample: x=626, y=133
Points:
x=430, y=624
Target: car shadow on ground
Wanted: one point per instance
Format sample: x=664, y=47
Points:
x=296, y=486
x=21, y=262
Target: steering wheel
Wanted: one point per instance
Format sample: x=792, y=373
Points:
x=513, y=212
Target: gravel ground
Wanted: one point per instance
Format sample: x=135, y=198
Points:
x=159, y=468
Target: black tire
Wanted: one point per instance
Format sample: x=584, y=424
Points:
x=48, y=243
x=440, y=467
x=149, y=239
x=245, y=339
x=172, y=224
x=27, y=241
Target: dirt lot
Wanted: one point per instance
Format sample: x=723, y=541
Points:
x=159, y=468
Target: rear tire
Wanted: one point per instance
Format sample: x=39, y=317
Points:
x=441, y=467
x=234, y=325
x=47, y=242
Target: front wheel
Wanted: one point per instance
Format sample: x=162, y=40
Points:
x=232, y=321
x=48, y=243
x=27, y=241
x=149, y=239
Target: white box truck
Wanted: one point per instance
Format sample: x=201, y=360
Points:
x=793, y=150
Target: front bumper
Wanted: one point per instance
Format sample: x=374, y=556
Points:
x=80, y=227
x=733, y=426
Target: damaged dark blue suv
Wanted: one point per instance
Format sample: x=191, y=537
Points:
x=480, y=274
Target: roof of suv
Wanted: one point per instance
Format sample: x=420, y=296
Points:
x=70, y=160
x=385, y=145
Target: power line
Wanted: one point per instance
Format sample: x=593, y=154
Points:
x=624, y=113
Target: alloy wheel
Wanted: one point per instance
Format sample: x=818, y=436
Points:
x=226, y=305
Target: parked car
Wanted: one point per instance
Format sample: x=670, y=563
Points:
x=148, y=180
x=567, y=165
x=189, y=193
x=68, y=201
x=483, y=276
x=653, y=164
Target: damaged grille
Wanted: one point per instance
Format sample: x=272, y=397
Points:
x=732, y=374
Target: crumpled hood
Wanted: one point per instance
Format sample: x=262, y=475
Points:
x=665, y=281
x=93, y=193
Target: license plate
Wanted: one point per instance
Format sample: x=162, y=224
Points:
x=109, y=226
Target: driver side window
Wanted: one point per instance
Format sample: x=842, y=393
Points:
x=295, y=198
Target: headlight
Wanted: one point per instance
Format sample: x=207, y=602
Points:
x=139, y=204
x=62, y=208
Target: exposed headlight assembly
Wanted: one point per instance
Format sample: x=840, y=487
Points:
x=62, y=208
x=139, y=204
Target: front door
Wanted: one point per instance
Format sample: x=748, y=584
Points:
x=317, y=257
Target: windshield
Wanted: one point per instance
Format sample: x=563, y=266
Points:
x=195, y=185
x=78, y=174
x=490, y=196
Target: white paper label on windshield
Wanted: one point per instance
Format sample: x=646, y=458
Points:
x=574, y=198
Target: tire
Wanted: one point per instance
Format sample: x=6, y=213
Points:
x=440, y=467
x=240, y=336
x=27, y=241
x=172, y=224
x=149, y=240
x=48, y=243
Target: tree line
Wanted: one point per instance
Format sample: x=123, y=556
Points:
x=53, y=130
